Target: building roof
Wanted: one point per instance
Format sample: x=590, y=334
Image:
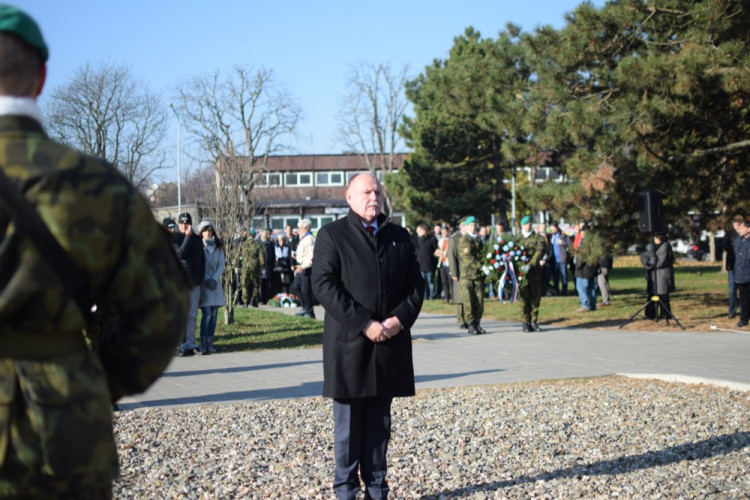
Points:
x=348, y=162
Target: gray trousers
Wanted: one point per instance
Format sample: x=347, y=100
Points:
x=603, y=282
x=189, y=343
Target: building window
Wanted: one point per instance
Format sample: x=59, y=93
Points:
x=378, y=174
x=298, y=179
x=272, y=179
x=329, y=178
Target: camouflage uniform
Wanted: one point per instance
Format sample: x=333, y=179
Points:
x=471, y=281
x=252, y=259
x=530, y=286
x=55, y=394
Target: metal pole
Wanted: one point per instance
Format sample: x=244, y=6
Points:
x=513, y=199
x=179, y=176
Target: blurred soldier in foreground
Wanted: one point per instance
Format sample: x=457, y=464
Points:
x=56, y=436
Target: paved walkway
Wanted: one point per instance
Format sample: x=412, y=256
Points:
x=445, y=356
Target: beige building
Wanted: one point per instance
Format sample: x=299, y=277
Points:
x=295, y=187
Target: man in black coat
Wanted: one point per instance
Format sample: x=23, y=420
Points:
x=366, y=276
x=189, y=247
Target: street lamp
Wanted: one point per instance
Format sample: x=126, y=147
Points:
x=179, y=176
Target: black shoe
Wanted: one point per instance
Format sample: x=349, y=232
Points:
x=535, y=327
x=480, y=329
x=526, y=327
x=186, y=353
x=463, y=326
x=309, y=315
x=741, y=323
x=731, y=316
x=473, y=329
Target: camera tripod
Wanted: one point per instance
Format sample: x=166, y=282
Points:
x=654, y=299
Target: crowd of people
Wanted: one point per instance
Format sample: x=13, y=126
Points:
x=266, y=265
x=453, y=264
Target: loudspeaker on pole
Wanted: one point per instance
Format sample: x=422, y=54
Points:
x=651, y=212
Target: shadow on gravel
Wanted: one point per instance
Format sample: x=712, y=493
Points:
x=429, y=378
x=719, y=445
x=305, y=390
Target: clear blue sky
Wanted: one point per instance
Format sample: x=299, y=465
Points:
x=309, y=44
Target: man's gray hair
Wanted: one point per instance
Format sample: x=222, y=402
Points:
x=305, y=223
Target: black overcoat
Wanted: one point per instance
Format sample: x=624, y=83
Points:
x=357, y=277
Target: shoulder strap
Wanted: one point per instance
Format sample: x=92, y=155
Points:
x=28, y=222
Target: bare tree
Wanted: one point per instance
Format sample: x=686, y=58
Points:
x=105, y=112
x=237, y=121
x=371, y=113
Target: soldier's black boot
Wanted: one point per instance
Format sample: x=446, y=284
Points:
x=526, y=327
x=480, y=329
x=535, y=327
x=473, y=329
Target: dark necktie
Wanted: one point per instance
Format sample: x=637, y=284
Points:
x=371, y=230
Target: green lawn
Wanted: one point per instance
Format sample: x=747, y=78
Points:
x=258, y=329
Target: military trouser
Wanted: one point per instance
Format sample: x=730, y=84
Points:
x=530, y=296
x=250, y=285
x=460, y=315
x=472, y=296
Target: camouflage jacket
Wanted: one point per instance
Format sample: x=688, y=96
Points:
x=55, y=394
x=252, y=256
x=535, y=248
x=469, y=252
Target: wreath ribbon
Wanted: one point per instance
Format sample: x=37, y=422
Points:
x=509, y=275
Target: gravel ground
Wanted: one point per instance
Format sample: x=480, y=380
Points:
x=592, y=438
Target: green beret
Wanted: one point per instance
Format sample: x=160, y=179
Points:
x=525, y=220
x=469, y=220
x=13, y=20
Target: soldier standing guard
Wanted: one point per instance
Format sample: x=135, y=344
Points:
x=252, y=259
x=56, y=438
x=471, y=282
x=530, y=285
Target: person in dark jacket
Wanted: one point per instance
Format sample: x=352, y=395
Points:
x=189, y=248
x=266, y=272
x=729, y=238
x=366, y=276
x=742, y=270
x=663, y=273
x=426, y=246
